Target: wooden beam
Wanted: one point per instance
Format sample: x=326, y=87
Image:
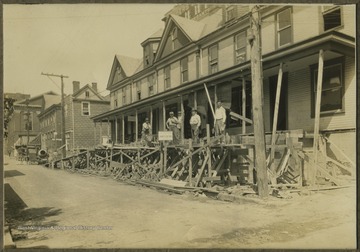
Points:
x=317, y=113
x=209, y=100
x=351, y=171
x=151, y=118
x=208, y=151
x=100, y=132
x=276, y=112
x=243, y=105
x=258, y=104
x=95, y=142
x=201, y=170
x=240, y=117
x=190, y=163
x=195, y=99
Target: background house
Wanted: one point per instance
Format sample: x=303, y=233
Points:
x=24, y=126
x=85, y=102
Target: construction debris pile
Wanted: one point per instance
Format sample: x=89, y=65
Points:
x=212, y=168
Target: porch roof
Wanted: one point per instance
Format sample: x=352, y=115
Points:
x=328, y=41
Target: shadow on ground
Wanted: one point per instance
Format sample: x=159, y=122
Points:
x=13, y=173
x=18, y=214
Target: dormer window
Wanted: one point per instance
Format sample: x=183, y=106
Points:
x=118, y=70
x=174, y=37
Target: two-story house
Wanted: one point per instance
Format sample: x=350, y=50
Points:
x=209, y=44
x=79, y=107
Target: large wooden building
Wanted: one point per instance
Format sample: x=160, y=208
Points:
x=209, y=45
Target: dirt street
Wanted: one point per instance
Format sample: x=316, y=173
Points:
x=77, y=211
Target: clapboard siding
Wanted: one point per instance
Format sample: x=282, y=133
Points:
x=226, y=53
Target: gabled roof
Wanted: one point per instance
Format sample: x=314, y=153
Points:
x=51, y=99
x=156, y=36
x=128, y=65
x=52, y=107
x=87, y=86
x=193, y=30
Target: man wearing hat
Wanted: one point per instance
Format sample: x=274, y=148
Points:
x=172, y=124
x=146, y=131
x=195, y=122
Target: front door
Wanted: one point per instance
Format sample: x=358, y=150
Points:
x=282, y=113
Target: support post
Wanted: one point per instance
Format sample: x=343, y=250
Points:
x=195, y=99
x=243, y=105
x=182, y=118
x=136, y=125
x=190, y=163
x=164, y=115
x=317, y=114
x=162, y=169
x=257, y=103
x=108, y=128
x=94, y=136
x=123, y=129
x=101, y=133
x=87, y=159
x=208, y=149
x=165, y=158
x=275, y=120
x=116, y=130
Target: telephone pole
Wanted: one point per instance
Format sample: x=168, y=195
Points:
x=63, y=148
x=257, y=103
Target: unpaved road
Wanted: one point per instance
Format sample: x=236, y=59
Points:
x=140, y=217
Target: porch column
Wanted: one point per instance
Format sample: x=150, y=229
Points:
x=215, y=95
x=151, y=116
x=275, y=120
x=101, y=132
x=182, y=117
x=116, y=130
x=94, y=134
x=317, y=113
x=136, y=125
x=164, y=115
x=108, y=127
x=123, y=129
x=243, y=105
x=195, y=99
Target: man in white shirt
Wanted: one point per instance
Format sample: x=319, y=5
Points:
x=195, y=122
x=146, y=131
x=220, y=120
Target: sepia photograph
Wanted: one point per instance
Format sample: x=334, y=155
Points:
x=167, y=125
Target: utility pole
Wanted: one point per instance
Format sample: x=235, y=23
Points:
x=27, y=126
x=63, y=148
x=257, y=103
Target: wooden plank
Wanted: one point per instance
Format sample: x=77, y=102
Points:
x=208, y=149
x=221, y=162
x=123, y=129
x=240, y=117
x=283, y=163
x=344, y=155
x=116, y=130
x=171, y=182
x=136, y=126
x=214, y=178
x=164, y=115
x=190, y=163
x=209, y=100
x=201, y=171
x=243, y=105
x=276, y=112
x=317, y=112
x=182, y=118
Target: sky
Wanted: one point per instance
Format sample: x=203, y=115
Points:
x=76, y=40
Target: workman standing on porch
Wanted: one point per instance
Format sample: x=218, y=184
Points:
x=195, y=122
x=220, y=121
x=172, y=124
x=146, y=132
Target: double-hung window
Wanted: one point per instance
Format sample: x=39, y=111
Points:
x=240, y=47
x=332, y=87
x=213, y=59
x=284, y=28
x=184, y=70
x=167, y=77
x=85, y=108
x=332, y=17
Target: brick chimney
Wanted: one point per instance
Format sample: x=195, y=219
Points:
x=76, y=86
x=94, y=86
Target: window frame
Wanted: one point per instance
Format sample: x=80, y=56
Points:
x=229, y=9
x=328, y=11
x=213, y=62
x=151, y=84
x=82, y=108
x=87, y=94
x=167, y=78
x=123, y=91
x=278, y=30
x=314, y=70
x=138, y=90
x=241, y=48
x=184, y=71
x=174, y=38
